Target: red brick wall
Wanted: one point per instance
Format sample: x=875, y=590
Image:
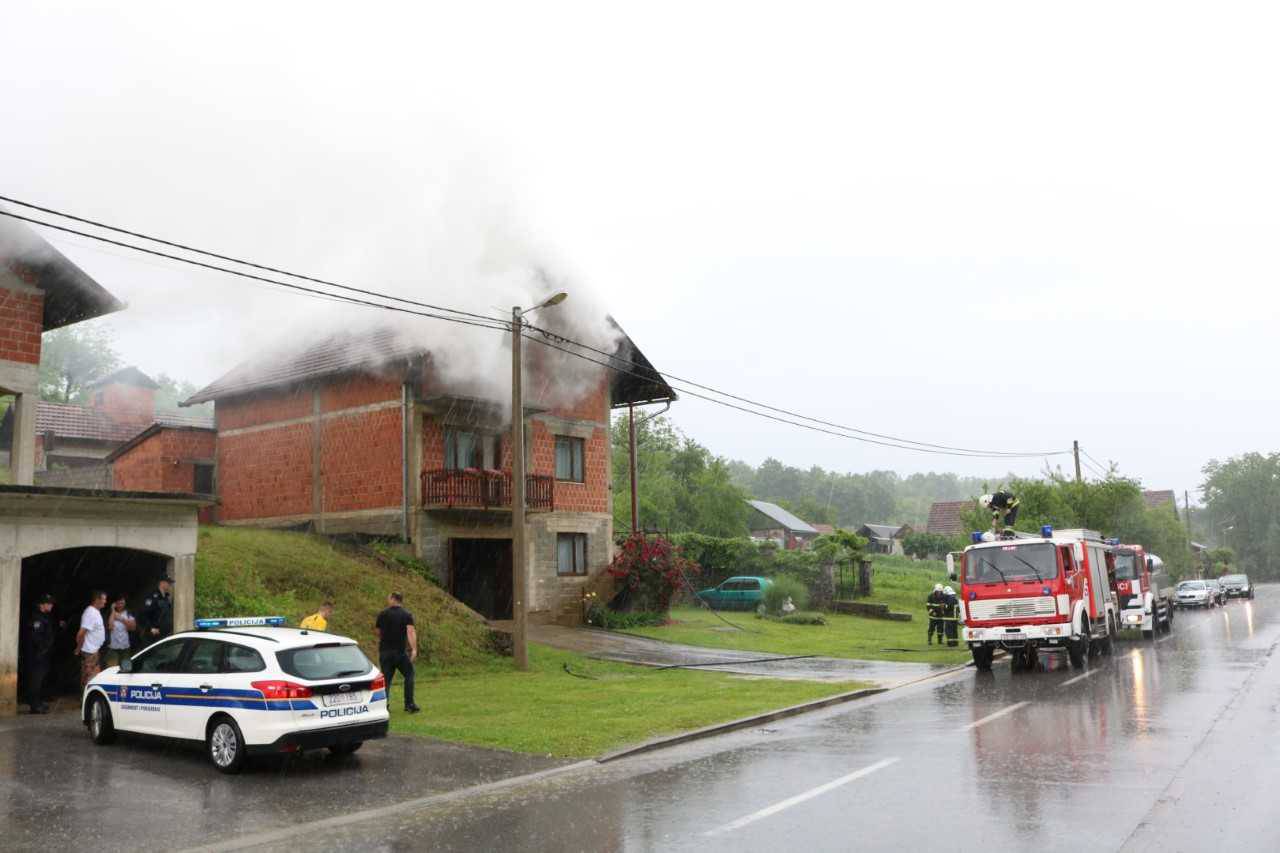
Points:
x=141, y=467
x=265, y=474
x=263, y=408
x=126, y=402
x=592, y=406
x=350, y=393
x=360, y=461
x=182, y=447
x=591, y=495
x=21, y=324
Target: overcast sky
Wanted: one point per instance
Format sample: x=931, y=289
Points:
x=999, y=226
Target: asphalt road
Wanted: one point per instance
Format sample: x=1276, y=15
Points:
x=1168, y=745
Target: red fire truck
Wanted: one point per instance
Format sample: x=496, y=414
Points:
x=1144, y=592
x=1026, y=594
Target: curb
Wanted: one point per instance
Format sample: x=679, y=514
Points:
x=734, y=725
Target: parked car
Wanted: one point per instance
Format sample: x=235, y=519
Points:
x=1237, y=586
x=1193, y=594
x=741, y=593
x=1219, y=595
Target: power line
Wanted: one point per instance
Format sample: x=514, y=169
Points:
x=1095, y=461
x=491, y=323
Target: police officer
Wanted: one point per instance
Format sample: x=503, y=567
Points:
x=1004, y=509
x=951, y=613
x=37, y=652
x=935, y=603
x=156, y=620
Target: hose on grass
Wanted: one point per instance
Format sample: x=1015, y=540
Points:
x=733, y=662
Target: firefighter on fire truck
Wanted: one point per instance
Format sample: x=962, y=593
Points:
x=1004, y=509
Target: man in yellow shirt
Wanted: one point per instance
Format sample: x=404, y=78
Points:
x=318, y=621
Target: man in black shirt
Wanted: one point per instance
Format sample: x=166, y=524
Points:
x=156, y=620
x=397, y=647
x=37, y=652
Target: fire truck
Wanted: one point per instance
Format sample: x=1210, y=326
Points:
x=1144, y=592
x=1026, y=594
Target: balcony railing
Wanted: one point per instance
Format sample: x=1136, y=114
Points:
x=475, y=489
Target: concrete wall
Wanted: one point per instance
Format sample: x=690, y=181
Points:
x=83, y=477
x=33, y=524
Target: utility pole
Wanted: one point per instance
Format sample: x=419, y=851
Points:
x=635, y=506
x=519, y=572
x=1186, y=502
x=1075, y=449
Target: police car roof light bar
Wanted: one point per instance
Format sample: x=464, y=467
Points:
x=240, y=622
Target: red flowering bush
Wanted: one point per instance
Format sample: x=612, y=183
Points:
x=651, y=570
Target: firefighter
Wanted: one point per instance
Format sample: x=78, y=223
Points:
x=157, y=613
x=952, y=616
x=37, y=652
x=1004, y=509
x=935, y=603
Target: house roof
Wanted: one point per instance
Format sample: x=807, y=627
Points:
x=1159, y=497
x=785, y=519
x=384, y=347
x=824, y=529
x=70, y=295
x=155, y=429
x=85, y=423
x=946, y=517
x=126, y=376
x=883, y=531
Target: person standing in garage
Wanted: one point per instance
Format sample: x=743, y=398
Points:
x=157, y=612
x=38, y=636
x=91, y=636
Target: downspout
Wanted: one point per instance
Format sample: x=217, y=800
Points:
x=404, y=461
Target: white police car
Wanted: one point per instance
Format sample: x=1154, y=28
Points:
x=243, y=686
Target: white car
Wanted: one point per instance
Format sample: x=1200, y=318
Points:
x=1194, y=594
x=240, y=687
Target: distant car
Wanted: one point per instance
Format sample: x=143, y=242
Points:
x=1219, y=595
x=742, y=593
x=1194, y=594
x=1236, y=586
x=242, y=686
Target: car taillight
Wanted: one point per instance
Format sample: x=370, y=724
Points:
x=281, y=690
x=379, y=683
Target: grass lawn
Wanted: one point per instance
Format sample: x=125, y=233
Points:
x=549, y=711
x=899, y=582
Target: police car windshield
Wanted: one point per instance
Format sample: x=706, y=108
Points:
x=319, y=663
x=1006, y=563
x=1126, y=566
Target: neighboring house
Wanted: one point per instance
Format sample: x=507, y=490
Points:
x=771, y=523
x=947, y=517
x=824, y=529
x=884, y=538
x=1155, y=498
x=364, y=434
x=58, y=540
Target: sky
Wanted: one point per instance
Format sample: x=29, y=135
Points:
x=997, y=226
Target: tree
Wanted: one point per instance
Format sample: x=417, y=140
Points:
x=1242, y=497
x=173, y=391
x=71, y=358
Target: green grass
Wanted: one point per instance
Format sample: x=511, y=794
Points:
x=242, y=571
x=901, y=583
x=551, y=712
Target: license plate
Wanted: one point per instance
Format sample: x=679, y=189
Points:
x=332, y=699
x=1014, y=635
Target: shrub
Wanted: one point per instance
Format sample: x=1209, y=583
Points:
x=780, y=590
x=602, y=617
x=803, y=619
x=651, y=571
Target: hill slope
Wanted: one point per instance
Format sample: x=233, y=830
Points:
x=242, y=571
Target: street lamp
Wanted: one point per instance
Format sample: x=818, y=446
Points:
x=519, y=565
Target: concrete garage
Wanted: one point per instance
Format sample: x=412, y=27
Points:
x=68, y=541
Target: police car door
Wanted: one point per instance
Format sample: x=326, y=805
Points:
x=139, y=703
x=197, y=691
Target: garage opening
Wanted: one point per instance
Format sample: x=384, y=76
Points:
x=70, y=575
x=480, y=575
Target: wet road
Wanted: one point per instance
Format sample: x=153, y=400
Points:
x=1163, y=746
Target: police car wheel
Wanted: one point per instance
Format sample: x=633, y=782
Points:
x=102, y=729
x=345, y=748
x=226, y=746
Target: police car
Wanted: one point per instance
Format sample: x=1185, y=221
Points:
x=243, y=686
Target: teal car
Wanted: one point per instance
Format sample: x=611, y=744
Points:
x=742, y=593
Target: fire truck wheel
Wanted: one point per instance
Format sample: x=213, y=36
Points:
x=982, y=656
x=1149, y=635
x=1105, y=645
x=1076, y=652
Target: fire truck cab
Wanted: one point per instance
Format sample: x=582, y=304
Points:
x=1143, y=590
x=1027, y=594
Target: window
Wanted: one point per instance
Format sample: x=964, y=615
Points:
x=162, y=658
x=463, y=449
x=331, y=660
x=571, y=553
x=569, y=458
x=241, y=659
x=205, y=657
x=204, y=479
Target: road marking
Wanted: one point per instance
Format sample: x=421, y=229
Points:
x=800, y=798
x=1082, y=677
x=997, y=715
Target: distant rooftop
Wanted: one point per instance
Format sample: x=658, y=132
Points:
x=784, y=519
x=946, y=517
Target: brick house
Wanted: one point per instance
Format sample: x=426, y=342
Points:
x=768, y=522
x=364, y=435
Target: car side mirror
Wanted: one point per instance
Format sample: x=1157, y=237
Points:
x=951, y=567
x=126, y=665
x=1077, y=553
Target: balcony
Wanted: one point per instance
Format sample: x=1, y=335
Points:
x=475, y=489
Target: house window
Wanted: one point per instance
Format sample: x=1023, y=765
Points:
x=571, y=553
x=569, y=457
x=204, y=479
x=463, y=449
